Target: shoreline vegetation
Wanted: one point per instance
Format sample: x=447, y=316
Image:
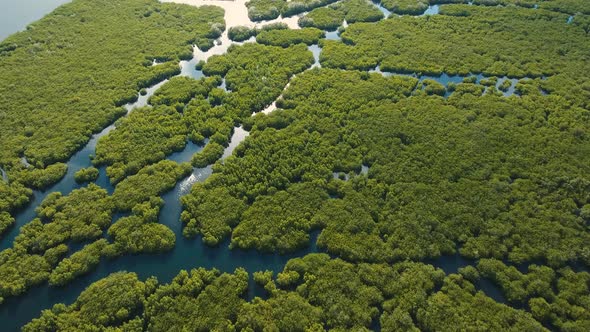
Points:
x=86, y=95
x=413, y=139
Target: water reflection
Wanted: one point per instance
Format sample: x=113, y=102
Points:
x=333, y=35
x=315, y=50
x=431, y=10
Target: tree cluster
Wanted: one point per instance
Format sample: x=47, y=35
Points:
x=313, y=293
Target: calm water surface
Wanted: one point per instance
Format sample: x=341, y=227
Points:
x=15, y=15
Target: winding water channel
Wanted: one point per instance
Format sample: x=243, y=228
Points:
x=188, y=253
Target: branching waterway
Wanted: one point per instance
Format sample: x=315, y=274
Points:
x=187, y=253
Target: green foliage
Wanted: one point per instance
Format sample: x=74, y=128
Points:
x=321, y=293
x=241, y=33
x=359, y=11
x=109, y=301
x=565, y=306
x=20, y=271
x=338, y=288
x=511, y=48
x=182, y=89
x=140, y=233
x=146, y=136
x=261, y=10
x=257, y=74
x=284, y=311
x=347, y=294
x=299, y=6
x=566, y=6
x=79, y=263
x=151, y=181
x=55, y=254
x=432, y=87
x=273, y=26
x=503, y=179
x=80, y=216
x=452, y=308
x=522, y=3
x=13, y=195
x=285, y=38
x=207, y=119
x=407, y=7
x=216, y=297
x=331, y=17
x=47, y=123
x=88, y=174
x=263, y=277
x=242, y=177
x=504, y=86
x=419, y=202
x=6, y=220
x=325, y=18
x=210, y=212
x=210, y=153
x=519, y=287
x=280, y=222
x=70, y=47
x=42, y=178
x=200, y=64
x=470, y=273
x=571, y=310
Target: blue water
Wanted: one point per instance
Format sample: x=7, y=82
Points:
x=188, y=68
x=512, y=87
x=446, y=79
x=187, y=254
x=79, y=160
x=15, y=15
x=452, y=263
x=333, y=35
x=431, y=10
x=384, y=10
x=315, y=50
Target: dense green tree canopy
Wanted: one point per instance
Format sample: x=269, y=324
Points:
x=388, y=166
x=523, y=43
x=312, y=293
x=151, y=181
x=93, y=72
x=48, y=122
